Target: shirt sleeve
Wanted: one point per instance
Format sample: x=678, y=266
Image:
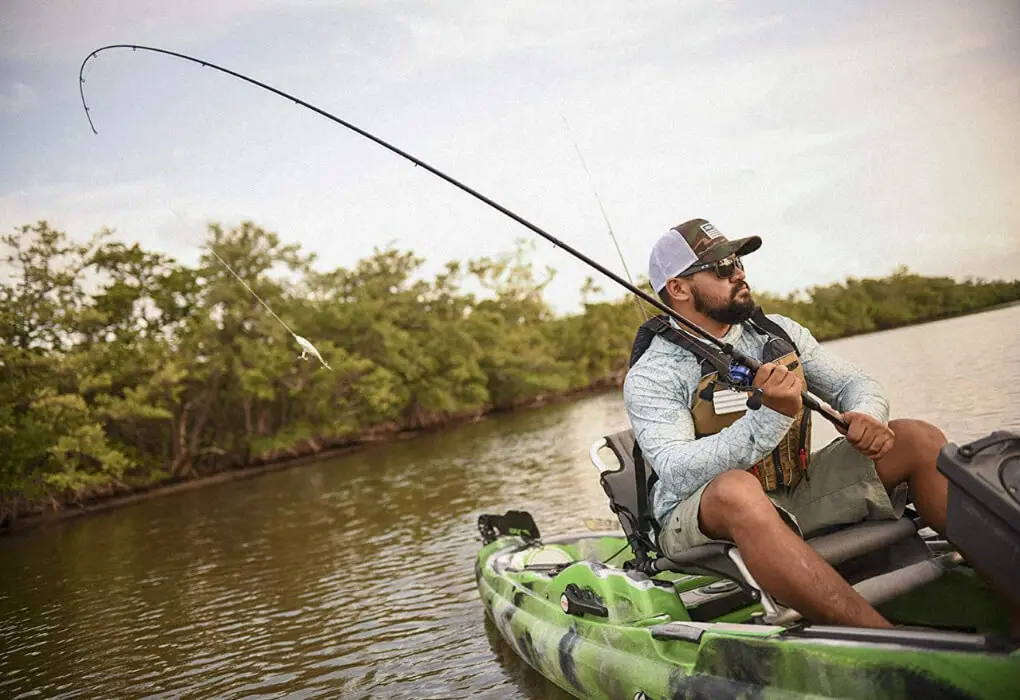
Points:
x=844, y=386
x=660, y=414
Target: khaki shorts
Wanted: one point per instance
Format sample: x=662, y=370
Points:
x=843, y=488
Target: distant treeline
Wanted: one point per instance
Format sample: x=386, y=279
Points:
x=121, y=368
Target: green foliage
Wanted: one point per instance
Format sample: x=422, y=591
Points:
x=121, y=368
x=862, y=306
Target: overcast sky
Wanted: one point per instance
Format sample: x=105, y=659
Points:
x=851, y=136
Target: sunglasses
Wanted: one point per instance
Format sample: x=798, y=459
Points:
x=724, y=268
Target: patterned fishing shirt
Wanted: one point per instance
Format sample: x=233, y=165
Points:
x=659, y=392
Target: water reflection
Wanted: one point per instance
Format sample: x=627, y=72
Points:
x=519, y=676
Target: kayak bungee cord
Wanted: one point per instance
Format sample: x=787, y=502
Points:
x=810, y=400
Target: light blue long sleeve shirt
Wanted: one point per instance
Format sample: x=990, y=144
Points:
x=659, y=392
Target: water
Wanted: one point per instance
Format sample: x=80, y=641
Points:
x=354, y=577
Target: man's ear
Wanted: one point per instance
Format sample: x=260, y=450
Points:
x=678, y=288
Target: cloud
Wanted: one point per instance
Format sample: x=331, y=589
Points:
x=81, y=209
x=558, y=36
x=797, y=122
x=63, y=30
x=17, y=98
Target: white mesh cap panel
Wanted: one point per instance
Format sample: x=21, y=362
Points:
x=670, y=255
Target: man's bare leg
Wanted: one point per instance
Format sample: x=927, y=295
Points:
x=913, y=459
x=735, y=507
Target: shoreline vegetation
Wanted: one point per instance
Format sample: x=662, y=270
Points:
x=125, y=374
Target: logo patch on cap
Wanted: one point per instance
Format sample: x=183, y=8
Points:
x=710, y=230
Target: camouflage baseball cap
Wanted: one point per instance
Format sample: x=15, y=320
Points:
x=694, y=241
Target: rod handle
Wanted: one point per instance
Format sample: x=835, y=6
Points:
x=825, y=410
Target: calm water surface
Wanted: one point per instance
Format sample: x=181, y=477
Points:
x=354, y=577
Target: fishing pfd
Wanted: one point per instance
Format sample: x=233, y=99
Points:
x=717, y=406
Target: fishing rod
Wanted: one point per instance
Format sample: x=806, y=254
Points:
x=810, y=400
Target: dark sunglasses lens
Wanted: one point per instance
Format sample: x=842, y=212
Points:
x=725, y=269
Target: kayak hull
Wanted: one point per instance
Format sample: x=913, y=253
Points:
x=633, y=637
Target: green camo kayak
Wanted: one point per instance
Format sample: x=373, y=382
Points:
x=601, y=632
x=578, y=610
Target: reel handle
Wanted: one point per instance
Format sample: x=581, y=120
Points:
x=754, y=400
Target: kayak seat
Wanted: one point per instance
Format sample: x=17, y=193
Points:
x=858, y=551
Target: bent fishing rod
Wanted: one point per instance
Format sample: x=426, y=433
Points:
x=810, y=400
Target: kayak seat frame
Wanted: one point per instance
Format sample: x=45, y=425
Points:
x=881, y=559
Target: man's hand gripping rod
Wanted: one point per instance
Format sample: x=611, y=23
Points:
x=810, y=400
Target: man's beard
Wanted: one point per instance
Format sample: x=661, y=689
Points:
x=733, y=312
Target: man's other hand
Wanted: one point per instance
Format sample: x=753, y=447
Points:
x=870, y=436
x=780, y=388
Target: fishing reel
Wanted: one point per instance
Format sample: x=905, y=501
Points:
x=739, y=378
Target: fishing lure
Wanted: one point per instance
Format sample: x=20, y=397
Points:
x=305, y=344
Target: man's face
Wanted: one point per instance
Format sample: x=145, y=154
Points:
x=726, y=300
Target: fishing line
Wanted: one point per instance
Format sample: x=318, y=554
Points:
x=605, y=217
x=263, y=301
x=306, y=345
x=810, y=400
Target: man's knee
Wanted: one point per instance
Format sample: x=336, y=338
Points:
x=917, y=440
x=917, y=433
x=733, y=495
x=915, y=450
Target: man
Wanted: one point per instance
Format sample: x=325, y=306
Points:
x=748, y=476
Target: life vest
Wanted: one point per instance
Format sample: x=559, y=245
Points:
x=716, y=407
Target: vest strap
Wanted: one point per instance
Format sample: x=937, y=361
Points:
x=766, y=326
x=660, y=325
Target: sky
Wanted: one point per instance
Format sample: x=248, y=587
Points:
x=852, y=136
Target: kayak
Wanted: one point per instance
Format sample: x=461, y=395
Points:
x=601, y=617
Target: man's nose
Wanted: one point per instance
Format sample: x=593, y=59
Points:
x=737, y=276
